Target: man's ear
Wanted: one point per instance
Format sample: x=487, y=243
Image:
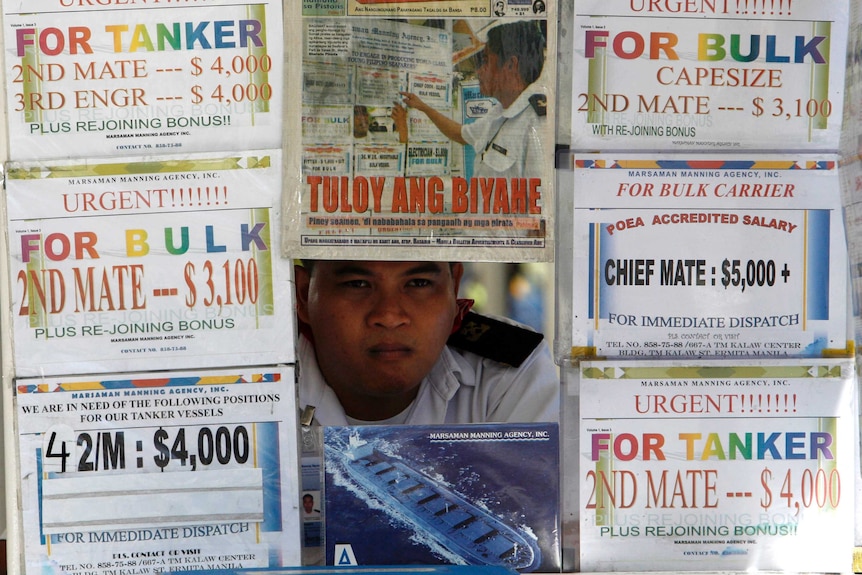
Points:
x=512, y=63
x=302, y=280
x=457, y=273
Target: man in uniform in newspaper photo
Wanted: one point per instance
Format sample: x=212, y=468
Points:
x=508, y=140
x=389, y=342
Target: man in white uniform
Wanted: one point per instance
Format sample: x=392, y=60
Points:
x=389, y=342
x=508, y=140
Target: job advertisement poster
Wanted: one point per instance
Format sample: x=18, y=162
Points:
x=91, y=79
x=708, y=75
x=721, y=465
x=707, y=256
x=120, y=265
x=377, y=134
x=146, y=473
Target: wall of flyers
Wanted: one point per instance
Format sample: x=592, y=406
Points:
x=752, y=83
x=143, y=203
x=165, y=162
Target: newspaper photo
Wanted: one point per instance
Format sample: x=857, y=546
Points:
x=418, y=128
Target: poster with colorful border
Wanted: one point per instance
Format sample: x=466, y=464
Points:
x=376, y=167
x=89, y=79
x=144, y=473
x=717, y=466
x=711, y=75
x=704, y=256
x=168, y=262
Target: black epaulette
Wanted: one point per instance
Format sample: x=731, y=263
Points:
x=539, y=102
x=495, y=339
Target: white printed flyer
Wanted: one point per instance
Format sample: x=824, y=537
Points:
x=168, y=262
x=704, y=256
x=717, y=466
x=149, y=473
x=378, y=130
x=708, y=75
x=91, y=79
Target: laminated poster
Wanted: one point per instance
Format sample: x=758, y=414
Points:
x=374, y=174
x=130, y=78
x=143, y=473
x=472, y=494
x=706, y=256
x=708, y=75
x=167, y=262
x=717, y=466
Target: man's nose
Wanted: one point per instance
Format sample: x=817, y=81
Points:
x=388, y=311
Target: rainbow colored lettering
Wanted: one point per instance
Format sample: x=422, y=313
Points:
x=207, y=35
x=744, y=446
x=629, y=45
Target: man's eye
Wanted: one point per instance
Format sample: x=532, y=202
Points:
x=419, y=282
x=356, y=283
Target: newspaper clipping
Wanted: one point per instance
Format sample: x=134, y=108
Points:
x=421, y=133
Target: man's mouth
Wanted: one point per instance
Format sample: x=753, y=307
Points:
x=390, y=350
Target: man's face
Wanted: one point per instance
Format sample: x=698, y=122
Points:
x=497, y=78
x=307, y=504
x=378, y=327
x=490, y=74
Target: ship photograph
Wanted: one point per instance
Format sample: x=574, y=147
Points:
x=478, y=494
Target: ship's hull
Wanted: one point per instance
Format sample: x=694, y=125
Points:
x=464, y=528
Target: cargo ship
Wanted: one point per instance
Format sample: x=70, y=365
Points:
x=462, y=527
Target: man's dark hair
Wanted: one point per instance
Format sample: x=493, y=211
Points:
x=309, y=265
x=523, y=40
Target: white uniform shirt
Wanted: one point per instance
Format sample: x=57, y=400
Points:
x=462, y=387
x=508, y=141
